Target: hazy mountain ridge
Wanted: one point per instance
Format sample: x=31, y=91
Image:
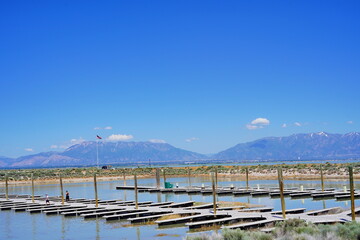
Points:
x=319, y=145
x=85, y=153
x=310, y=146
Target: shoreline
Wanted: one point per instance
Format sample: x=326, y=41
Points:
x=238, y=177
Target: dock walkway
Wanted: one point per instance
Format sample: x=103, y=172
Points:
x=190, y=215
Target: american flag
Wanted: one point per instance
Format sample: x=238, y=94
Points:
x=98, y=137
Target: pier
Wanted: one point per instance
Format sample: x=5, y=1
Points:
x=294, y=193
x=185, y=213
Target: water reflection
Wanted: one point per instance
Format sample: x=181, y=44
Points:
x=158, y=196
x=138, y=233
x=33, y=226
x=97, y=229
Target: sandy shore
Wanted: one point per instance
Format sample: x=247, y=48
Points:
x=221, y=177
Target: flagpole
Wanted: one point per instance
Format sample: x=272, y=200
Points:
x=97, y=152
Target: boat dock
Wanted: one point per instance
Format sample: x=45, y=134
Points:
x=295, y=193
x=185, y=213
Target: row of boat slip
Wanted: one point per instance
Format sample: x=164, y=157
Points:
x=187, y=214
x=254, y=192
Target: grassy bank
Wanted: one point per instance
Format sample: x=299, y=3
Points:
x=293, y=229
x=296, y=171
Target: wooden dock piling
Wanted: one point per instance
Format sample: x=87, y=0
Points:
x=124, y=176
x=322, y=178
x=216, y=177
x=352, y=193
x=157, y=178
x=164, y=175
x=136, y=192
x=96, y=192
x=189, y=176
x=6, y=187
x=32, y=188
x=213, y=192
x=247, y=178
x=281, y=187
x=61, y=190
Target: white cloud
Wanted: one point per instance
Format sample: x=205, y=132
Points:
x=349, y=122
x=260, y=121
x=257, y=123
x=284, y=125
x=77, y=141
x=157, y=141
x=252, y=127
x=297, y=124
x=119, y=137
x=105, y=128
x=191, y=139
x=29, y=149
x=54, y=146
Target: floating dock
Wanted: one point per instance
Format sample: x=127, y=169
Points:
x=185, y=213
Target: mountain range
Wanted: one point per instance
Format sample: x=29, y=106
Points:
x=312, y=146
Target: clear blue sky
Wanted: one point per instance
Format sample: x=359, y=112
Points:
x=195, y=74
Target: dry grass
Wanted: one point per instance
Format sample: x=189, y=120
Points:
x=167, y=235
x=206, y=228
x=236, y=204
x=168, y=217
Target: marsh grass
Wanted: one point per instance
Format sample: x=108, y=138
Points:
x=292, y=229
x=298, y=171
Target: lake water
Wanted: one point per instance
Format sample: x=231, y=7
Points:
x=21, y=225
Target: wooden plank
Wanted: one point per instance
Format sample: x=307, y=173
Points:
x=61, y=211
x=263, y=209
x=189, y=219
x=75, y=212
x=124, y=212
x=181, y=204
x=101, y=213
x=253, y=224
x=317, y=212
x=225, y=220
x=290, y=211
x=160, y=204
x=203, y=206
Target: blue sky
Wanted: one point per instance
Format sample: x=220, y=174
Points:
x=200, y=75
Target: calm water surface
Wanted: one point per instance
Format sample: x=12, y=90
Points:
x=21, y=225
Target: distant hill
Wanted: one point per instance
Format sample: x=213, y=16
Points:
x=5, y=161
x=310, y=146
x=84, y=154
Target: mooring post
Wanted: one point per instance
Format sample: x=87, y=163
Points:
x=6, y=187
x=124, y=174
x=352, y=193
x=136, y=192
x=213, y=192
x=216, y=177
x=281, y=187
x=96, y=192
x=61, y=190
x=247, y=178
x=157, y=178
x=32, y=188
x=322, y=178
x=164, y=175
x=189, y=176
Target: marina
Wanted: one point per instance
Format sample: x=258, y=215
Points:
x=189, y=212
x=191, y=216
